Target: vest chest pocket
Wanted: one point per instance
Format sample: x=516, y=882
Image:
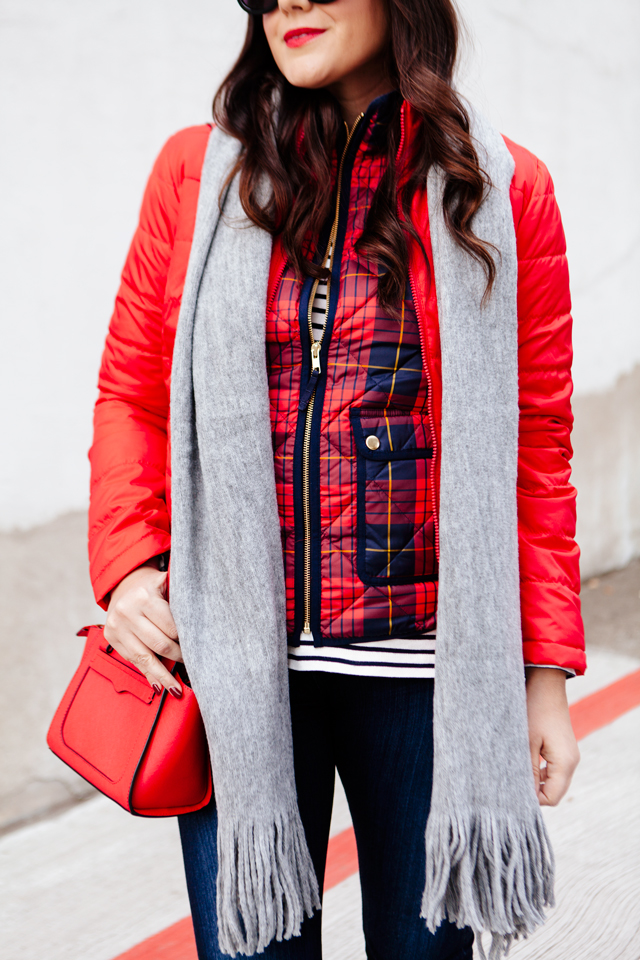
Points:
x=396, y=530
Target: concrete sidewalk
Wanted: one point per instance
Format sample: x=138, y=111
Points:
x=94, y=881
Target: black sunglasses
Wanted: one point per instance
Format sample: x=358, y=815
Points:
x=257, y=7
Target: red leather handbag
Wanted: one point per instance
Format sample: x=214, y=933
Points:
x=147, y=751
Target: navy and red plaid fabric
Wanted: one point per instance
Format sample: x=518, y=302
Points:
x=375, y=567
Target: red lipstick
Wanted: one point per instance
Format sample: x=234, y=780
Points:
x=296, y=38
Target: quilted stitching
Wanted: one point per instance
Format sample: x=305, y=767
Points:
x=374, y=361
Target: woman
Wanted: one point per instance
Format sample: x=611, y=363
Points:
x=406, y=267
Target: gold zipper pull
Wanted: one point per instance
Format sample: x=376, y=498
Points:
x=310, y=389
x=316, y=347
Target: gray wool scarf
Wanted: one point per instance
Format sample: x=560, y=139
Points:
x=489, y=864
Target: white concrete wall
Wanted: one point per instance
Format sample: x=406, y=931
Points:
x=90, y=91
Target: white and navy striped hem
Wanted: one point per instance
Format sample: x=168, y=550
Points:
x=377, y=658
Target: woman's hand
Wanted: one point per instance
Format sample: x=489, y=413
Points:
x=551, y=736
x=140, y=626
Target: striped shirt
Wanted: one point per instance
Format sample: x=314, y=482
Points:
x=378, y=658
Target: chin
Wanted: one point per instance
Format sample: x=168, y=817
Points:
x=309, y=77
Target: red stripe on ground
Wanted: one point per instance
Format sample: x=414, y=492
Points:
x=177, y=942
x=606, y=705
x=587, y=715
x=342, y=858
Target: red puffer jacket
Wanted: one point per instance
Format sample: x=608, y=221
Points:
x=130, y=486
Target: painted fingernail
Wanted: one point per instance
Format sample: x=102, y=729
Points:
x=157, y=688
x=175, y=692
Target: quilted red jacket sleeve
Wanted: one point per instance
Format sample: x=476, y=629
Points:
x=128, y=516
x=553, y=633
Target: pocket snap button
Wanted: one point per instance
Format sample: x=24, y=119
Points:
x=372, y=442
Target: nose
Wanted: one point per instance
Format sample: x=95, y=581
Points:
x=290, y=6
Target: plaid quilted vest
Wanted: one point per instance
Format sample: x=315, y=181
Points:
x=352, y=438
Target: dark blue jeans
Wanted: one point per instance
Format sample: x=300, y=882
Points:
x=378, y=733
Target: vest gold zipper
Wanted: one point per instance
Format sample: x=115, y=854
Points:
x=316, y=346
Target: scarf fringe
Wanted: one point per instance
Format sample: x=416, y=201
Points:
x=489, y=872
x=266, y=883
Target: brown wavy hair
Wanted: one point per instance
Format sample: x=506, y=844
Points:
x=290, y=134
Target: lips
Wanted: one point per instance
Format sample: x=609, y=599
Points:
x=296, y=38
